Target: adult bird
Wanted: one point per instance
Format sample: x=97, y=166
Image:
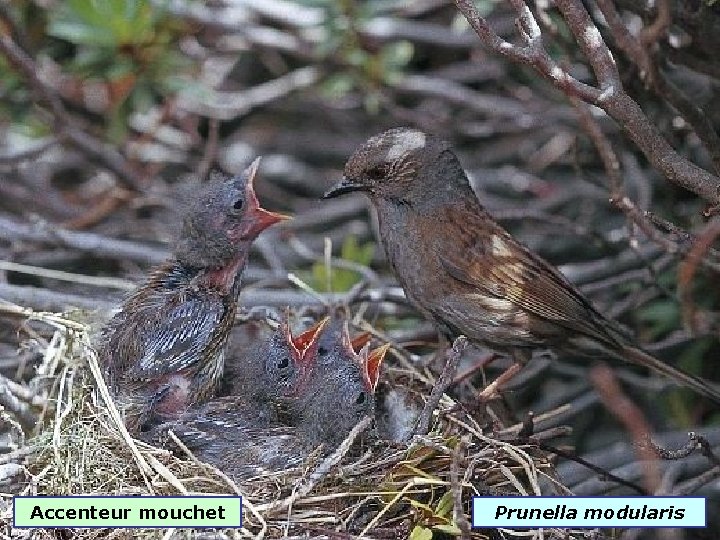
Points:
x=465, y=272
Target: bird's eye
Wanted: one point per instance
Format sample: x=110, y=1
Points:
x=360, y=399
x=237, y=205
x=283, y=362
x=322, y=351
x=377, y=172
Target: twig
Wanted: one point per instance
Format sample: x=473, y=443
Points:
x=112, y=283
x=598, y=470
x=686, y=274
x=64, y=122
x=631, y=417
x=491, y=391
x=422, y=426
x=321, y=470
x=95, y=244
x=636, y=49
x=695, y=441
x=609, y=95
x=456, y=488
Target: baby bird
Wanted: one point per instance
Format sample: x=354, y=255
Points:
x=340, y=388
x=321, y=406
x=164, y=350
x=272, y=366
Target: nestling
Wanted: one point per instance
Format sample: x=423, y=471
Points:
x=164, y=350
x=245, y=438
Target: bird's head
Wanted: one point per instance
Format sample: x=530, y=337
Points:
x=223, y=219
x=331, y=343
x=289, y=359
x=402, y=166
x=339, y=393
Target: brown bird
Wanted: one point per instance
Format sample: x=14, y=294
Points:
x=164, y=350
x=244, y=438
x=465, y=272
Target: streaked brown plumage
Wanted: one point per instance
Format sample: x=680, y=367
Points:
x=164, y=350
x=465, y=272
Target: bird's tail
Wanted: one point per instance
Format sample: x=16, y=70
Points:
x=702, y=387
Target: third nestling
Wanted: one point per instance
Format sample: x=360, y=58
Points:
x=244, y=437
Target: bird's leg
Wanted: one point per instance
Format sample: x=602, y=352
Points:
x=422, y=426
x=492, y=390
x=482, y=362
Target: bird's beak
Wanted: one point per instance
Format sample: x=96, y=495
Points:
x=257, y=219
x=342, y=187
x=306, y=344
x=359, y=341
x=373, y=362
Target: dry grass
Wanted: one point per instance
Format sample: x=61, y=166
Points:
x=371, y=489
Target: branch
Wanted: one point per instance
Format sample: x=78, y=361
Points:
x=609, y=95
x=112, y=159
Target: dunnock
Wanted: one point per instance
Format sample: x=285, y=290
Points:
x=465, y=272
x=272, y=366
x=245, y=438
x=164, y=350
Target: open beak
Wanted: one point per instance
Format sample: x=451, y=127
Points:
x=342, y=187
x=306, y=344
x=257, y=219
x=359, y=341
x=373, y=362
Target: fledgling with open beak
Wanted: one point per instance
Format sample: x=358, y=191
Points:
x=273, y=366
x=164, y=350
x=244, y=437
x=339, y=390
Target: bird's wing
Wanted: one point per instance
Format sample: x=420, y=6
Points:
x=486, y=257
x=174, y=341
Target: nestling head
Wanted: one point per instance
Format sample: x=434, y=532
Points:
x=287, y=360
x=341, y=391
x=402, y=166
x=223, y=219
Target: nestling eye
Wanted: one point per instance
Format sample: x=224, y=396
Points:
x=360, y=399
x=238, y=204
x=283, y=362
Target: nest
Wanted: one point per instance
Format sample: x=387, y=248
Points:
x=365, y=487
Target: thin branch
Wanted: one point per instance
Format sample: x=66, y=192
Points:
x=112, y=159
x=631, y=417
x=609, y=96
x=422, y=426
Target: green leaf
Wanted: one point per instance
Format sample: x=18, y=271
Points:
x=445, y=504
x=421, y=533
x=661, y=316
